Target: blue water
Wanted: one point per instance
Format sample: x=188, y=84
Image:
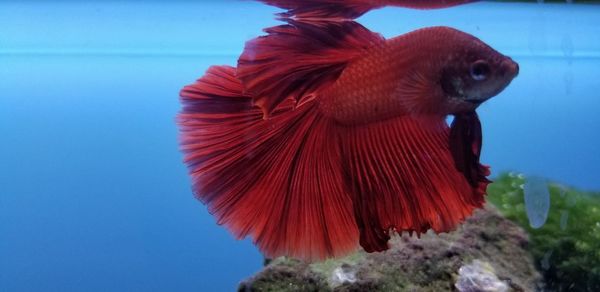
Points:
x=93, y=194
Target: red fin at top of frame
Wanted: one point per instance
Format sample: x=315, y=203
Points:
x=350, y=9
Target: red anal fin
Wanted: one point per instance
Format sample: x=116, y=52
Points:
x=465, y=144
x=350, y=9
x=279, y=181
x=404, y=178
x=297, y=59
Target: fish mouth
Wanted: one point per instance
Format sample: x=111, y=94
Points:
x=510, y=67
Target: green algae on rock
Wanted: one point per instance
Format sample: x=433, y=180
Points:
x=429, y=263
x=567, y=247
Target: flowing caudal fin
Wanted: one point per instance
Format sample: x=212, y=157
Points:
x=405, y=179
x=350, y=9
x=297, y=59
x=279, y=180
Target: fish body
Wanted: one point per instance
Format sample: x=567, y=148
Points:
x=406, y=75
x=327, y=136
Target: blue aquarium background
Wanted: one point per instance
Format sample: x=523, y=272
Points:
x=93, y=192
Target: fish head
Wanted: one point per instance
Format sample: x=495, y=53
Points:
x=472, y=72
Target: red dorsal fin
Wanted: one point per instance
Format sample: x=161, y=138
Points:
x=297, y=59
x=350, y=9
x=279, y=181
x=404, y=178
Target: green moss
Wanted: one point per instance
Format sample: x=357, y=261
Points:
x=285, y=275
x=567, y=247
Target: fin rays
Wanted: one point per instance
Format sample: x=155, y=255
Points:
x=277, y=180
x=297, y=59
x=302, y=185
x=349, y=9
x=405, y=179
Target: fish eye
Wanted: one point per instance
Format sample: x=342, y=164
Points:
x=480, y=70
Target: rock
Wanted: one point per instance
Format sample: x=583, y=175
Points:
x=487, y=249
x=342, y=275
x=479, y=276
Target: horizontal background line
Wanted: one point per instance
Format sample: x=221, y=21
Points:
x=232, y=53
x=115, y=53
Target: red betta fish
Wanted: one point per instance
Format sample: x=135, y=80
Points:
x=327, y=135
